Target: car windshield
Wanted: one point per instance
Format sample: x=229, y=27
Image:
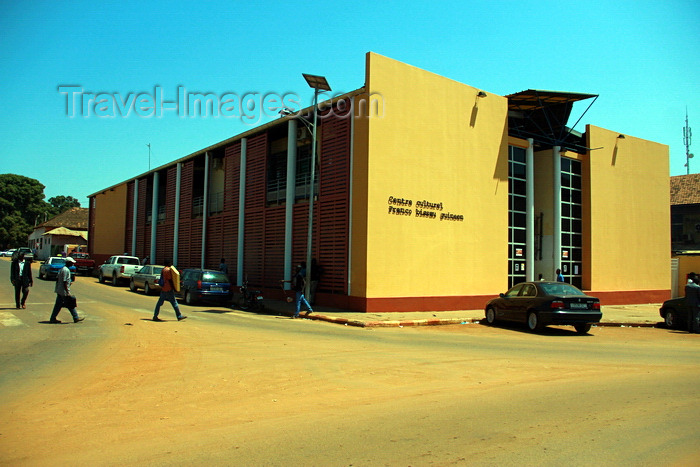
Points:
x=157, y=270
x=58, y=261
x=213, y=276
x=560, y=288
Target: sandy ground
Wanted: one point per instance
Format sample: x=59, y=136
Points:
x=238, y=389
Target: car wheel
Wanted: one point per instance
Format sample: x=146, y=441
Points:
x=582, y=328
x=490, y=316
x=132, y=286
x=189, y=299
x=533, y=322
x=670, y=319
x=101, y=278
x=114, y=279
x=147, y=289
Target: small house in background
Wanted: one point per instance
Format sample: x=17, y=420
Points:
x=685, y=212
x=62, y=234
x=685, y=230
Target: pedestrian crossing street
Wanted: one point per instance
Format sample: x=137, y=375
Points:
x=36, y=312
x=40, y=312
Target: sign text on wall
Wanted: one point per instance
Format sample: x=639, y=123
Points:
x=425, y=209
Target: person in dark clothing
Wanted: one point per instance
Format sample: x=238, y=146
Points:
x=223, y=267
x=298, y=284
x=21, y=278
x=560, y=276
x=692, y=301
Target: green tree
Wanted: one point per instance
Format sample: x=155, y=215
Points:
x=63, y=203
x=21, y=204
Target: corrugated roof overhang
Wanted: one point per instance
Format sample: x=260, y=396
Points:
x=543, y=116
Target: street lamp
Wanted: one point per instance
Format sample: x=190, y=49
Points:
x=317, y=83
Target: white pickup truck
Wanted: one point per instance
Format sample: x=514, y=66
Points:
x=119, y=268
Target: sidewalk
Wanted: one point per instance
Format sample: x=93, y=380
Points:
x=646, y=315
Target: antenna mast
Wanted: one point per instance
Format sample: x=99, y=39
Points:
x=687, y=140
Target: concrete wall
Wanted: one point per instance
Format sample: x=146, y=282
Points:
x=437, y=142
x=627, y=201
x=109, y=215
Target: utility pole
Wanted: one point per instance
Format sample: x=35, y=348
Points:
x=687, y=140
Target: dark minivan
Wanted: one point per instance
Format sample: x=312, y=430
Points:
x=204, y=285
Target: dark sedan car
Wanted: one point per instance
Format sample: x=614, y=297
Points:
x=204, y=285
x=542, y=303
x=675, y=313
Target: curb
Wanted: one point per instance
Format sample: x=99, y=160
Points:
x=440, y=322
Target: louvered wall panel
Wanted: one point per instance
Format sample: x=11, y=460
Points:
x=300, y=233
x=170, y=194
x=215, y=242
x=186, y=180
x=129, y=215
x=333, y=204
x=274, y=245
x=232, y=161
x=185, y=246
x=256, y=158
x=143, y=229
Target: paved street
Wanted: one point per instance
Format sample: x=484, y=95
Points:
x=231, y=388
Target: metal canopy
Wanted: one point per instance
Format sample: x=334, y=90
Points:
x=543, y=116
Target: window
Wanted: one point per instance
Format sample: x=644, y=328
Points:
x=571, y=223
x=516, y=215
x=277, y=171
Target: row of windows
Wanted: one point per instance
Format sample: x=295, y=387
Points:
x=571, y=218
x=571, y=223
x=516, y=215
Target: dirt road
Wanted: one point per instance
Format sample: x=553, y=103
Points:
x=226, y=388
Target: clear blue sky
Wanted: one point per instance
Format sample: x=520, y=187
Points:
x=642, y=57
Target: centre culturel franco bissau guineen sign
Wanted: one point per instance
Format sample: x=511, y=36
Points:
x=425, y=209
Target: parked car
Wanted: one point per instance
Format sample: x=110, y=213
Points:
x=118, y=268
x=83, y=263
x=7, y=253
x=49, y=268
x=204, y=285
x=675, y=313
x=147, y=279
x=542, y=303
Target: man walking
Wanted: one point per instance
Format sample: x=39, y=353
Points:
x=21, y=278
x=299, y=283
x=167, y=292
x=63, y=295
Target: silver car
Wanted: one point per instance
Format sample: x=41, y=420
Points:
x=147, y=279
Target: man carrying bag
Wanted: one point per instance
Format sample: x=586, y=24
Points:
x=63, y=295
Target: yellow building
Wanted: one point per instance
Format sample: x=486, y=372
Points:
x=430, y=195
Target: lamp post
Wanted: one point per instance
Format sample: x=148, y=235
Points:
x=317, y=83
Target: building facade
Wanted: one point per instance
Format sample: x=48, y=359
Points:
x=429, y=195
x=68, y=230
